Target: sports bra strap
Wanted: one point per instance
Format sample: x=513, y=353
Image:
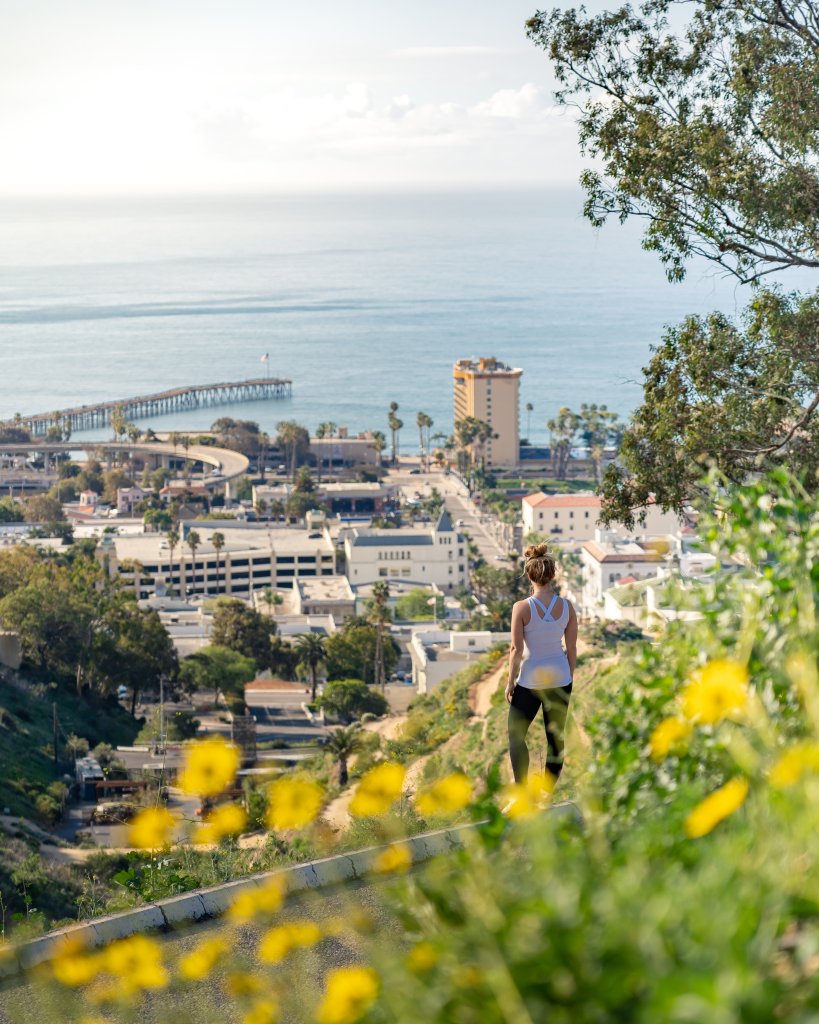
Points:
x=539, y=604
x=547, y=612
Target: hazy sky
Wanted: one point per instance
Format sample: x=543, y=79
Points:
x=211, y=95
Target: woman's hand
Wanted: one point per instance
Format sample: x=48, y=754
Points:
x=510, y=689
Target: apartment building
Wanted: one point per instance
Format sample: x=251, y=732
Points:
x=490, y=391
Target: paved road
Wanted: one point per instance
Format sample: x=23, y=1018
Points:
x=279, y=716
x=458, y=505
x=206, y=1002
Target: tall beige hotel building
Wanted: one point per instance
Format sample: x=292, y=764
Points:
x=490, y=391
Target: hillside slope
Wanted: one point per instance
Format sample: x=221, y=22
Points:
x=26, y=751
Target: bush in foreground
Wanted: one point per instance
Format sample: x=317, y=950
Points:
x=689, y=893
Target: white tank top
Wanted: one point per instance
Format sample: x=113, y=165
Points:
x=544, y=664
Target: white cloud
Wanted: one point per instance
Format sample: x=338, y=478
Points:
x=514, y=104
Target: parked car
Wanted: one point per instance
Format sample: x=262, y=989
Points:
x=122, y=692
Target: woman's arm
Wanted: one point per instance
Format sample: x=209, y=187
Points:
x=516, y=648
x=570, y=638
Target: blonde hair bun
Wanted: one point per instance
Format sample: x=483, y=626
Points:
x=540, y=566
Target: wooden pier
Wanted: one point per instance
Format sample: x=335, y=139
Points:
x=90, y=417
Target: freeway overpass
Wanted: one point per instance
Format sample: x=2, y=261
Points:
x=221, y=467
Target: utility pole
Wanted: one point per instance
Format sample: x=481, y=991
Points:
x=54, y=739
x=162, y=714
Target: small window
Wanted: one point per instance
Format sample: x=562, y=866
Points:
x=381, y=572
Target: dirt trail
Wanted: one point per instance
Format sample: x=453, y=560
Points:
x=337, y=813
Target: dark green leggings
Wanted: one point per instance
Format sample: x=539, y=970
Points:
x=522, y=711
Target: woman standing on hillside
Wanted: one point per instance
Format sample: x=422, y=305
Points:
x=541, y=669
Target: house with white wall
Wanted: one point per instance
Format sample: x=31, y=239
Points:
x=576, y=516
x=438, y=654
x=437, y=554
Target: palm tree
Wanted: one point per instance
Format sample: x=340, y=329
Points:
x=343, y=742
x=272, y=598
x=321, y=433
x=379, y=444
x=311, y=649
x=218, y=541
x=172, y=537
x=395, y=425
x=424, y=422
x=529, y=409
x=379, y=614
x=194, y=540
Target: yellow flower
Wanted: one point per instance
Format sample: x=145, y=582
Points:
x=716, y=807
x=422, y=957
x=265, y=1011
x=152, y=828
x=240, y=984
x=670, y=735
x=73, y=966
x=201, y=961
x=350, y=992
x=262, y=900
x=446, y=796
x=293, y=803
x=719, y=690
x=136, y=962
x=378, y=790
x=210, y=767
x=525, y=800
x=793, y=763
x=226, y=820
x=467, y=976
x=397, y=858
x=278, y=942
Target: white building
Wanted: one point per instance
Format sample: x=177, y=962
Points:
x=576, y=517
x=608, y=559
x=251, y=558
x=129, y=497
x=434, y=555
x=341, y=450
x=438, y=654
x=324, y=595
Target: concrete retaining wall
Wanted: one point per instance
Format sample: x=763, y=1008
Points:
x=204, y=904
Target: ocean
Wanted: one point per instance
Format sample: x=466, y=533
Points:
x=359, y=299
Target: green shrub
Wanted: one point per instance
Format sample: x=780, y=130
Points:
x=347, y=699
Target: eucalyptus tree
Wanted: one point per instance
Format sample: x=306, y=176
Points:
x=700, y=119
